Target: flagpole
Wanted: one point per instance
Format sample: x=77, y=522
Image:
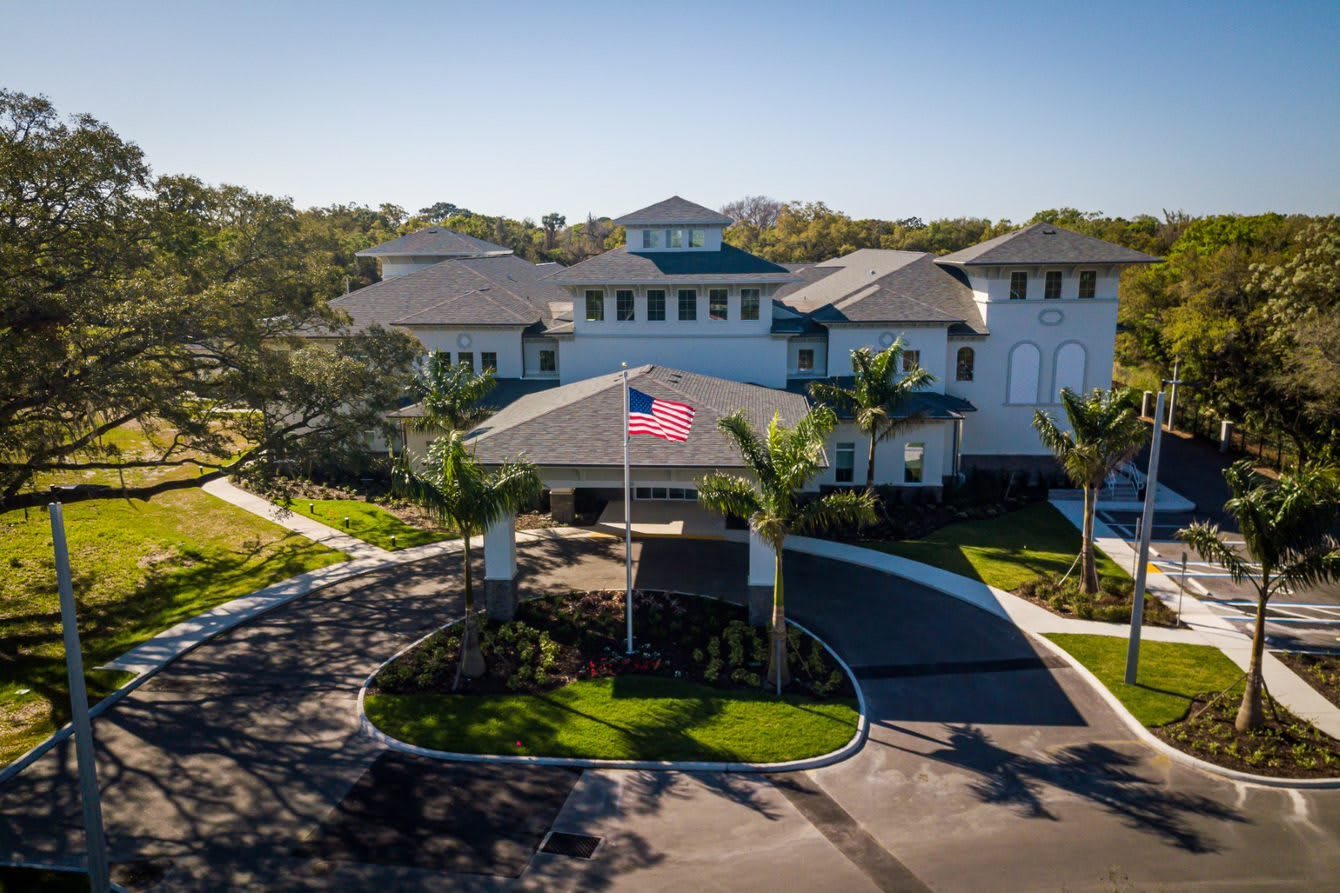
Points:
x=627, y=518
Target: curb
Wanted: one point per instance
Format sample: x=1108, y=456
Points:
x=1158, y=744
x=836, y=756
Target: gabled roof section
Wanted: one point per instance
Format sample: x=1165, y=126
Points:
x=623, y=267
x=581, y=424
x=1045, y=243
x=435, y=241
x=503, y=290
x=674, y=210
x=875, y=286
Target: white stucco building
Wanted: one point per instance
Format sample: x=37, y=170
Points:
x=1002, y=326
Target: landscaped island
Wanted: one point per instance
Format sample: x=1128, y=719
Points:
x=559, y=683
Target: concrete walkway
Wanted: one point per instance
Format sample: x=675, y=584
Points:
x=315, y=531
x=1208, y=628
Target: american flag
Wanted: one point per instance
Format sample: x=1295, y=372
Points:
x=659, y=418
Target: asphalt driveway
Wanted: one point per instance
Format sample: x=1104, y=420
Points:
x=241, y=767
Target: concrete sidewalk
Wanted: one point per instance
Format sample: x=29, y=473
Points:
x=1208, y=628
x=315, y=531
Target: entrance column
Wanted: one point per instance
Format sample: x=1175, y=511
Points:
x=762, y=571
x=500, y=569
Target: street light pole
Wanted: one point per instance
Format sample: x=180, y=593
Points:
x=94, y=841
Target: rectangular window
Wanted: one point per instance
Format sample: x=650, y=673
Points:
x=688, y=303
x=548, y=361
x=595, y=305
x=697, y=238
x=623, y=305
x=1051, y=287
x=911, y=360
x=656, y=304
x=674, y=238
x=750, y=298
x=1088, y=283
x=651, y=238
x=488, y=361
x=466, y=359
x=716, y=303
x=1018, y=286
x=914, y=455
x=805, y=359
x=844, y=471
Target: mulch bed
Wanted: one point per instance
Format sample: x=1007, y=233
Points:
x=1285, y=747
x=1322, y=672
x=558, y=640
x=1112, y=604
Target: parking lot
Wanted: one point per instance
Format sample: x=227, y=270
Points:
x=1296, y=621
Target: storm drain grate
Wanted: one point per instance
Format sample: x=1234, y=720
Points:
x=578, y=846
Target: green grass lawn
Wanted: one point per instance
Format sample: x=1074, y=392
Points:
x=624, y=718
x=138, y=567
x=1170, y=675
x=370, y=523
x=1006, y=551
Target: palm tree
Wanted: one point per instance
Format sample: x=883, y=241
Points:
x=875, y=396
x=451, y=395
x=464, y=495
x=1288, y=543
x=1105, y=431
x=781, y=463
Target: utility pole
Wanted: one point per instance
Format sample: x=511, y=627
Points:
x=94, y=840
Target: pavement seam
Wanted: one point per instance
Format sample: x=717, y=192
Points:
x=849, y=836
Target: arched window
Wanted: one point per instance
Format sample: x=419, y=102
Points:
x=1025, y=361
x=1070, y=362
x=965, y=362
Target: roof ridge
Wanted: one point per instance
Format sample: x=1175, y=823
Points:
x=483, y=292
x=552, y=409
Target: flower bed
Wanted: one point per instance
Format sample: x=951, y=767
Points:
x=1112, y=604
x=555, y=641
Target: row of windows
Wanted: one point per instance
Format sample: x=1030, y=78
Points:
x=686, y=304
x=674, y=238
x=1051, y=285
x=911, y=360
x=688, y=493
x=488, y=360
x=914, y=460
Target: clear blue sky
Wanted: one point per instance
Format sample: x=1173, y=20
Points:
x=882, y=109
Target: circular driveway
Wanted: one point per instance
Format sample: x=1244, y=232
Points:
x=242, y=766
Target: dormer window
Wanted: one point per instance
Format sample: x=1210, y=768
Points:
x=697, y=238
x=674, y=238
x=651, y=238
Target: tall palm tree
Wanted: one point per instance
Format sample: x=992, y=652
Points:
x=1287, y=543
x=464, y=495
x=875, y=396
x=781, y=462
x=451, y=395
x=1105, y=431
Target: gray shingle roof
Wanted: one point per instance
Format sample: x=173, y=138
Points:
x=623, y=267
x=436, y=241
x=674, y=210
x=878, y=286
x=581, y=424
x=503, y=290
x=506, y=392
x=1044, y=243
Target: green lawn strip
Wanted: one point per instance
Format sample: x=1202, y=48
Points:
x=624, y=718
x=1006, y=551
x=370, y=523
x=1171, y=674
x=139, y=567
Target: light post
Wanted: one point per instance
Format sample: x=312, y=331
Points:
x=94, y=841
x=1142, y=552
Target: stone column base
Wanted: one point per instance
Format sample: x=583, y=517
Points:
x=500, y=599
x=760, y=606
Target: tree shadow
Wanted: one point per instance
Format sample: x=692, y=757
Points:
x=1093, y=772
